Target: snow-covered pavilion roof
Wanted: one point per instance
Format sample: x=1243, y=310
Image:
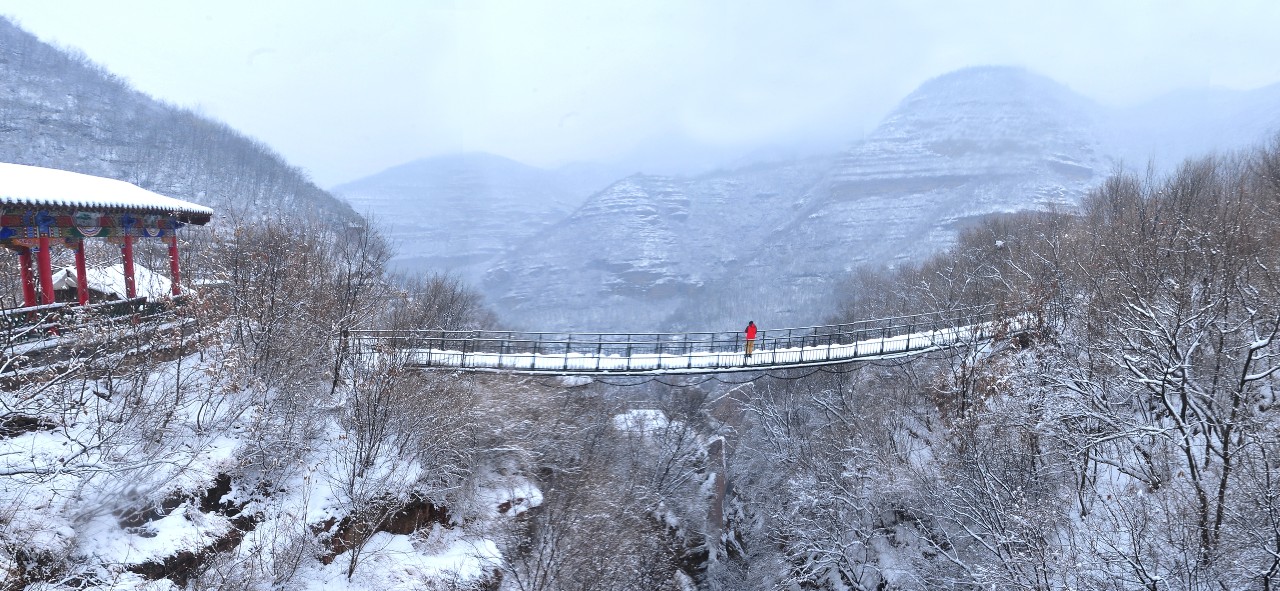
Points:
x=36, y=187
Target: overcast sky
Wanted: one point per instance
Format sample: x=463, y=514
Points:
x=346, y=89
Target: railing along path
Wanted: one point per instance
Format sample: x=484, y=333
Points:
x=693, y=352
x=35, y=338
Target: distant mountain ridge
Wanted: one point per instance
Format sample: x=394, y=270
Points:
x=771, y=242
x=457, y=213
x=582, y=247
x=58, y=110
x=1191, y=123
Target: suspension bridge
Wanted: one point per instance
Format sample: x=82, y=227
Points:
x=637, y=354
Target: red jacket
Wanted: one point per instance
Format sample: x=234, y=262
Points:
x=751, y=331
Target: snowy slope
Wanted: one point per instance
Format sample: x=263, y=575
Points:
x=455, y=213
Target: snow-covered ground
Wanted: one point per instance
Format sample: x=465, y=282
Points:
x=113, y=474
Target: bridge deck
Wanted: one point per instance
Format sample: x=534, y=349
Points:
x=674, y=353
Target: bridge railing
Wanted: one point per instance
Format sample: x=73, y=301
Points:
x=627, y=352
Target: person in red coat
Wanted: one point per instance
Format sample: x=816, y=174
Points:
x=751, y=337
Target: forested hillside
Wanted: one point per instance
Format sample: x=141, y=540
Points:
x=1131, y=443
x=61, y=111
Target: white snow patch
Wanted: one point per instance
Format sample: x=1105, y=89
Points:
x=184, y=528
x=517, y=492
x=642, y=421
x=394, y=562
x=574, y=381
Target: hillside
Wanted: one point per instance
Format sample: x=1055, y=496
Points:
x=968, y=144
x=646, y=246
x=457, y=213
x=61, y=111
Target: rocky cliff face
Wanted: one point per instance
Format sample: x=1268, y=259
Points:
x=969, y=143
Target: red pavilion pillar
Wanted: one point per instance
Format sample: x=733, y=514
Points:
x=82, y=275
x=45, y=268
x=28, y=286
x=173, y=262
x=130, y=289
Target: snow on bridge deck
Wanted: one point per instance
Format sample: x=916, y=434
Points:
x=685, y=353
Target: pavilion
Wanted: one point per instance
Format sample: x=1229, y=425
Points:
x=43, y=207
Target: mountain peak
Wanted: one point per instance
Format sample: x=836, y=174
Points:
x=989, y=101
x=995, y=118
x=992, y=81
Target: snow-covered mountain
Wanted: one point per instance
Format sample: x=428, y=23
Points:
x=455, y=213
x=646, y=246
x=971, y=143
x=771, y=242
